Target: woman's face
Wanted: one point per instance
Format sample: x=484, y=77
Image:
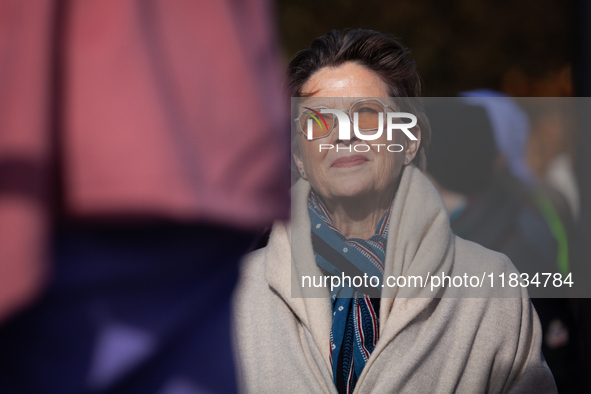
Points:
x=344, y=174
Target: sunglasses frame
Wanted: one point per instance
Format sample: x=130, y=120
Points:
x=348, y=111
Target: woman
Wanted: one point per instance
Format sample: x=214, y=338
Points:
x=360, y=209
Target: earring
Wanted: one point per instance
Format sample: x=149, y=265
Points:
x=303, y=173
x=406, y=159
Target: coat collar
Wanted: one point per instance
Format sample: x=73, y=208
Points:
x=420, y=241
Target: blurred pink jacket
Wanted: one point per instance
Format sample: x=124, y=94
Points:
x=162, y=109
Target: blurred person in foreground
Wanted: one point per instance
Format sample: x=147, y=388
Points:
x=140, y=154
x=368, y=211
x=495, y=202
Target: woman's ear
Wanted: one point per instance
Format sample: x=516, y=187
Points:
x=412, y=146
x=300, y=165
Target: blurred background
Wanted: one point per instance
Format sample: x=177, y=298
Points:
x=522, y=48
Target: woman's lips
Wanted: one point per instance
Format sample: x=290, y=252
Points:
x=349, y=161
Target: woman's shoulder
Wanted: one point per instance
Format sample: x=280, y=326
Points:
x=251, y=278
x=252, y=263
x=488, y=274
x=277, y=243
x=473, y=257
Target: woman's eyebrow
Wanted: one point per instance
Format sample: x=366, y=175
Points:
x=308, y=94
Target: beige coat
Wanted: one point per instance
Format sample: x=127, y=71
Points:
x=426, y=345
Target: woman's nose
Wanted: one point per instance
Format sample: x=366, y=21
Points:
x=346, y=141
x=335, y=134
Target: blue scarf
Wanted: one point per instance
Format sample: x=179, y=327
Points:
x=354, y=331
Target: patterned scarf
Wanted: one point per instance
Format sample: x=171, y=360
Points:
x=354, y=331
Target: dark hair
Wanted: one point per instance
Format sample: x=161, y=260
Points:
x=380, y=53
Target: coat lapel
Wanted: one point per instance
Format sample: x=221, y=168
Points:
x=420, y=243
